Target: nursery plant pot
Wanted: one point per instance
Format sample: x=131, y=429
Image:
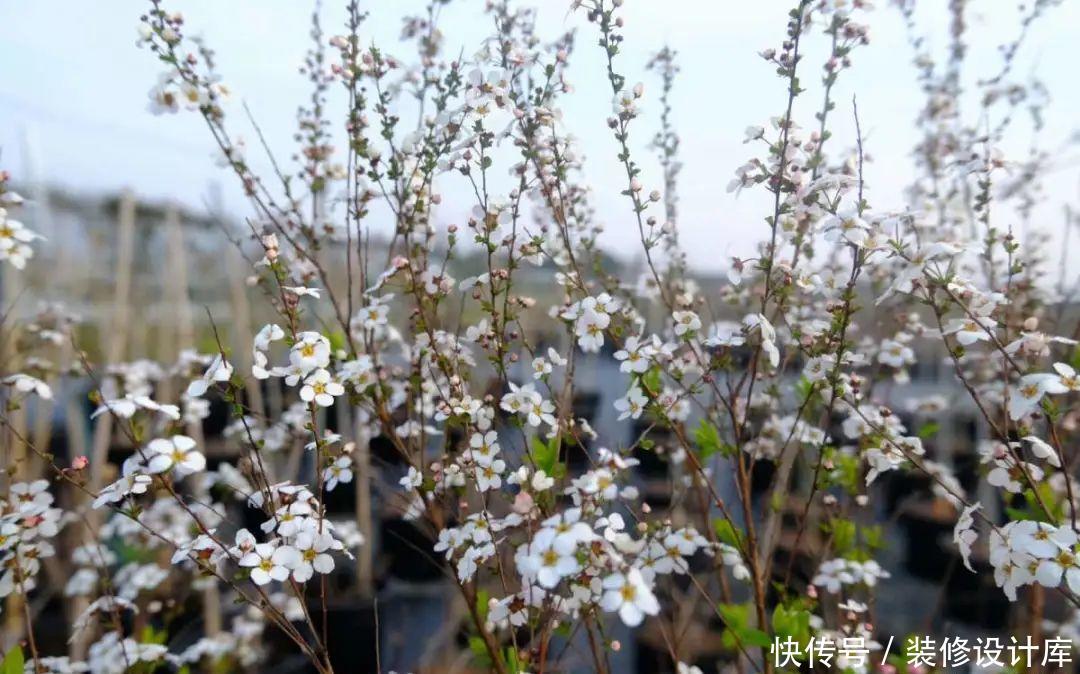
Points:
x=350, y=638
x=974, y=599
x=409, y=552
x=925, y=523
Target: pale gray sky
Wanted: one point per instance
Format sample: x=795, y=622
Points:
x=74, y=92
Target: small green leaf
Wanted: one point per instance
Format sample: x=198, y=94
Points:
x=543, y=456
x=928, y=430
x=754, y=637
x=727, y=533
x=708, y=440
x=13, y=662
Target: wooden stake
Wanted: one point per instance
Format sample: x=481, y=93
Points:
x=115, y=334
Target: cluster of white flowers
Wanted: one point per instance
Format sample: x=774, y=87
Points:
x=1023, y=552
x=15, y=237
x=835, y=574
x=28, y=522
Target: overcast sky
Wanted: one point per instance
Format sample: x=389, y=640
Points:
x=73, y=96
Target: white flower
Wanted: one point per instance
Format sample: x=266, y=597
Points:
x=24, y=383
x=268, y=334
x=127, y=406
x=340, y=471
x=271, y=332
x=725, y=333
x=686, y=322
x=413, y=479
x=472, y=559
x=1031, y=538
x=634, y=356
x=219, y=370
x=527, y=401
x=1043, y=450
x=540, y=560
x=1069, y=380
x=290, y=519
x=490, y=476
x=768, y=336
x=483, y=447
x=374, y=315
x=31, y=498
x=312, y=548
x=268, y=562
x=896, y=354
x=303, y=291
x=310, y=351
x=1062, y=561
x=630, y=596
x=135, y=483
x=541, y=482
x=833, y=574
x=686, y=540
x=1008, y=475
x=177, y=453
x=540, y=367
x=632, y=404
x=819, y=367
x=569, y=530
x=968, y=330
x=555, y=358
x=590, y=330
x=14, y=237
x=846, y=226
x=964, y=533
x=1024, y=398
x=321, y=388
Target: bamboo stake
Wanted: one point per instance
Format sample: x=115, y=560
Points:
x=14, y=450
x=183, y=326
x=241, y=308
x=116, y=330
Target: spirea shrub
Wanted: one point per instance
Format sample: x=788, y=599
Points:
x=784, y=369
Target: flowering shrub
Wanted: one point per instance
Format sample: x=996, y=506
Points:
x=786, y=368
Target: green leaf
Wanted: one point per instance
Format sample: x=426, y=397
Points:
x=928, y=430
x=338, y=340
x=737, y=629
x=150, y=635
x=735, y=616
x=791, y=621
x=652, y=380
x=754, y=637
x=543, y=456
x=14, y=662
x=708, y=440
x=727, y=533
x=511, y=657
x=843, y=533
x=546, y=456
x=482, y=597
x=479, y=651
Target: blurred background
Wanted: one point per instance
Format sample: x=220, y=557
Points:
x=73, y=104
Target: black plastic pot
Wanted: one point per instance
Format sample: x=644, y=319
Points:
x=409, y=551
x=923, y=555
x=350, y=639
